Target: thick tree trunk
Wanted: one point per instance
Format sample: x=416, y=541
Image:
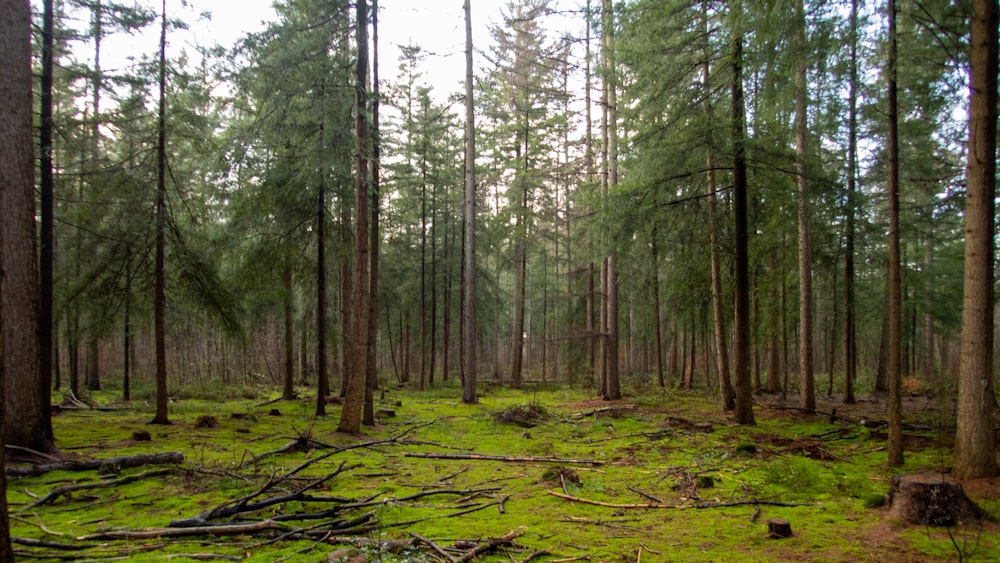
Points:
x=371, y=372
x=975, y=440
x=350, y=415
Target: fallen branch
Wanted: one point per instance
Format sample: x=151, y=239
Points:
x=124, y=462
x=67, y=489
x=511, y=459
x=616, y=505
x=489, y=546
x=438, y=549
x=217, y=530
x=754, y=502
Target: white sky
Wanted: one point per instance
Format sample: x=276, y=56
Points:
x=437, y=26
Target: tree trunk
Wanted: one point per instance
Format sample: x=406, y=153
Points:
x=613, y=390
x=288, y=392
x=975, y=440
x=371, y=372
x=46, y=320
x=159, y=290
x=807, y=392
x=350, y=415
x=850, y=335
x=895, y=301
x=741, y=266
x=322, y=376
x=470, y=366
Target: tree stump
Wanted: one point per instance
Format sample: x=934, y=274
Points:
x=778, y=528
x=206, y=421
x=142, y=436
x=930, y=499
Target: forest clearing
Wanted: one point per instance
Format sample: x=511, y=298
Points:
x=658, y=476
x=641, y=280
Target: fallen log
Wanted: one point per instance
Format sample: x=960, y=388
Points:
x=152, y=533
x=512, y=459
x=123, y=462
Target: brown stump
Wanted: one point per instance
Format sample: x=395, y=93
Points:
x=930, y=499
x=142, y=436
x=778, y=528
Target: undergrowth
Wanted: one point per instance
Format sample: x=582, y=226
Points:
x=640, y=480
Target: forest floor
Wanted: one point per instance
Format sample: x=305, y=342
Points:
x=544, y=474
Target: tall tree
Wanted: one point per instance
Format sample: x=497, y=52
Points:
x=159, y=290
x=26, y=403
x=807, y=393
x=469, y=367
x=894, y=310
x=975, y=440
x=612, y=389
x=46, y=254
x=741, y=259
x=850, y=333
x=350, y=415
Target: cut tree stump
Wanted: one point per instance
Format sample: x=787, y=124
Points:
x=930, y=499
x=778, y=528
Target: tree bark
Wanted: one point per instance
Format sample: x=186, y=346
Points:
x=350, y=415
x=807, y=392
x=613, y=387
x=741, y=289
x=371, y=373
x=975, y=440
x=17, y=237
x=46, y=321
x=469, y=368
x=850, y=339
x=895, y=300
x=159, y=289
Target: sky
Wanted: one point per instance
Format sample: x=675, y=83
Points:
x=437, y=26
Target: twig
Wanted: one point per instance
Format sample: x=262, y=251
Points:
x=754, y=502
x=32, y=452
x=512, y=459
x=536, y=555
x=219, y=530
x=645, y=494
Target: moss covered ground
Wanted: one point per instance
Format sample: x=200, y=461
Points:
x=663, y=475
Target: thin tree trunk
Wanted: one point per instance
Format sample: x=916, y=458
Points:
x=322, y=376
x=159, y=293
x=47, y=219
x=807, y=392
x=289, y=376
x=895, y=301
x=850, y=337
x=470, y=366
x=613, y=388
x=371, y=373
x=741, y=289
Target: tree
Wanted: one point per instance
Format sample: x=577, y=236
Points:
x=975, y=441
x=741, y=283
x=807, y=394
x=18, y=277
x=894, y=288
x=612, y=389
x=46, y=215
x=350, y=416
x=26, y=403
x=159, y=291
x=469, y=367
x=850, y=333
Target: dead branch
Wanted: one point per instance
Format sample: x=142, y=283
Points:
x=489, y=546
x=645, y=494
x=216, y=530
x=616, y=505
x=438, y=549
x=754, y=502
x=67, y=489
x=511, y=459
x=536, y=555
x=31, y=542
x=124, y=462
